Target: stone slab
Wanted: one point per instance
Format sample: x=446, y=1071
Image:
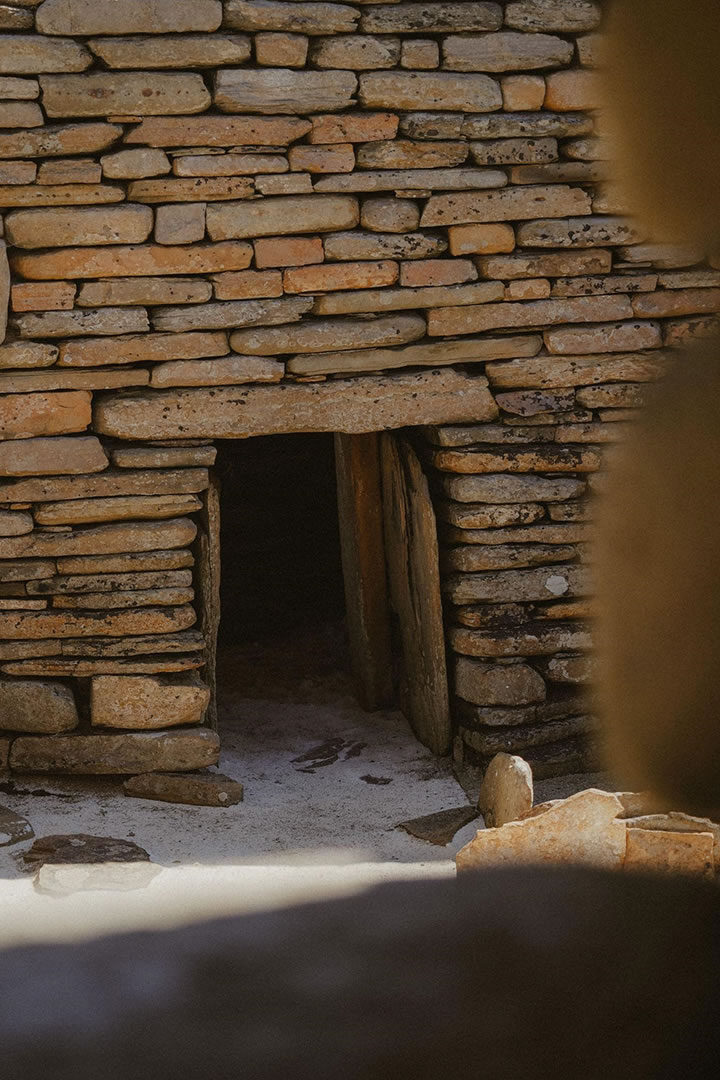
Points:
x=48, y=456
x=30, y=54
x=283, y=90
x=128, y=16
x=148, y=482
x=146, y=260
x=86, y=225
x=281, y=216
x=434, y=354
x=115, y=93
x=201, y=789
x=353, y=406
x=134, y=752
x=210, y=131
x=101, y=540
x=26, y=416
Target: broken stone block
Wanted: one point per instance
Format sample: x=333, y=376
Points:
x=122, y=754
x=584, y=829
x=669, y=852
x=139, y=702
x=14, y=829
x=192, y=789
x=181, y=51
x=37, y=706
x=507, y=790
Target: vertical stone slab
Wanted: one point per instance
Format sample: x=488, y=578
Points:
x=413, y=568
x=207, y=588
x=360, y=512
x=4, y=289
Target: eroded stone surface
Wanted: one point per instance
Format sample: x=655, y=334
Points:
x=37, y=705
x=147, y=702
x=582, y=829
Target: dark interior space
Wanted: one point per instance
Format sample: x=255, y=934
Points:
x=282, y=629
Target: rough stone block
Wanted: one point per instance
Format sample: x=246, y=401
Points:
x=584, y=232
x=322, y=159
x=471, y=319
x=24, y=416
x=353, y=127
x=282, y=216
x=427, y=272
x=281, y=90
x=281, y=50
x=510, y=204
x=356, y=52
x=437, y=18
x=561, y=16
x=410, y=181
x=135, y=752
x=107, y=321
x=128, y=16
x=407, y=154
x=305, y=18
x=43, y=457
x=481, y=239
x=607, y=337
x=180, y=224
x=150, y=291
x=507, y=790
x=567, y=91
x=512, y=151
x=218, y=131
x=146, y=702
x=498, y=684
x=390, y=215
x=248, y=284
x=231, y=313
x=288, y=251
x=116, y=508
x=552, y=371
x=112, y=93
x=227, y=371
x=420, y=55
x=327, y=335
x=31, y=54
x=37, y=705
x=506, y=51
x=197, y=189
x=331, y=276
x=181, y=51
x=58, y=227
x=408, y=90
x=135, y=164
x=103, y=540
x=141, y=261
x=430, y=355
x=502, y=489
x=359, y=245
x=676, y=302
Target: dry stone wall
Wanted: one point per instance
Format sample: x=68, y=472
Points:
x=233, y=218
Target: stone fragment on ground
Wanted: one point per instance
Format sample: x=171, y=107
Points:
x=82, y=848
x=192, y=789
x=507, y=790
x=441, y=827
x=14, y=829
x=65, y=879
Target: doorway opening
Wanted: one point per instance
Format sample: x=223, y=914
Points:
x=283, y=629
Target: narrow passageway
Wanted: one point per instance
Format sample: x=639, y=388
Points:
x=329, y=774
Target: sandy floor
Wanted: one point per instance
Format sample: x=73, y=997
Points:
x=326, y=786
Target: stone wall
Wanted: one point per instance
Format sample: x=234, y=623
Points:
x=239, y=218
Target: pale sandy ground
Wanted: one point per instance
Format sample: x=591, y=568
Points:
x=325, y=787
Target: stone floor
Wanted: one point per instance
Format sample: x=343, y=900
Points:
x=326, y=786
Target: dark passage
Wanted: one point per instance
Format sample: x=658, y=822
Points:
x=283, y=605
